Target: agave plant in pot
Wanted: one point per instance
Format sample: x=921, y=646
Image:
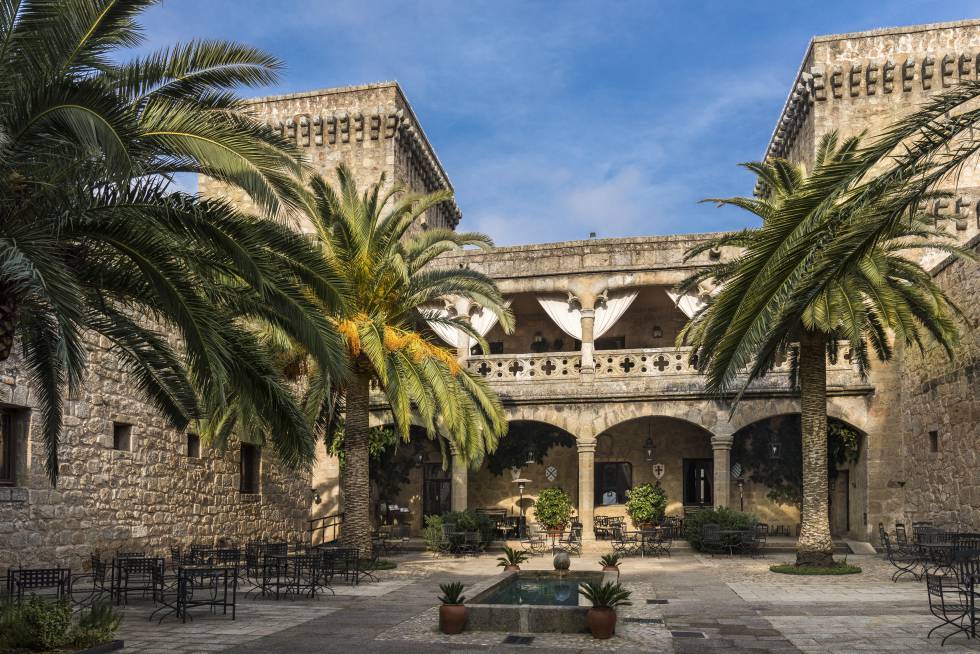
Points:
x=512, y=559
x=452, y=613
x=610, y=562
x=604, y=598
x=553, y=509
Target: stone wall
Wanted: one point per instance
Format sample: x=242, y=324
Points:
x=941, y=479
x=149, y=498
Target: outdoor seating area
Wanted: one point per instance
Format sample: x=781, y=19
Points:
x=204, y=577
x=949, y=561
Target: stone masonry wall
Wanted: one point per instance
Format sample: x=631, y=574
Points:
x=942, y=478
x=149, y=498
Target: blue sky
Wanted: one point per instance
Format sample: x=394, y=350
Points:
x=556, y=119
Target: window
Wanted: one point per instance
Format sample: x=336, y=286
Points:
x=249, y=467
x=8, y=448
x=496, y=347
x=934, y=441
x=612, y=480
x=122, y=436
x=193, y=446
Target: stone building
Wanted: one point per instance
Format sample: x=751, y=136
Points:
x=591, y=370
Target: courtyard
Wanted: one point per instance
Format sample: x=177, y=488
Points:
x=685, y=603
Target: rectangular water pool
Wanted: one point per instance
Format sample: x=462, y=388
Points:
x=532, y=601
x=544, y=589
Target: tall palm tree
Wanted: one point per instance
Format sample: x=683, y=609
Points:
x=390, y=292
x=95, y=242
x=783, y=294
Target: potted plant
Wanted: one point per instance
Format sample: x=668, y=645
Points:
x=553, y=509
x=512, y=559
x=452, y=613
x=604, y=598
x=610, y=562
x=646, y=504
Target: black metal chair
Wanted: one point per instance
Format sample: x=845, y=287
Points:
x=901, y=537
x=711, y=541
x=625, y=543
x=661, y=541
x=949, y=603
x=903, y=557
x=533, y=541
x=143, y=575
x=50, y=583
x=756, y=540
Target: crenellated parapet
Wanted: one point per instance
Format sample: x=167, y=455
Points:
x=865, y=81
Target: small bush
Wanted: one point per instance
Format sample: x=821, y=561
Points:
x=35, y=624
x=432, y=532
x=724, y=518
x=646, y=504
x=553, y=508
x=96, y=625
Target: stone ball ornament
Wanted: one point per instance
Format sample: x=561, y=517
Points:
x=562, y=561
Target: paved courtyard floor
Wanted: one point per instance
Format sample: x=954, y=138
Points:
x=687, y=603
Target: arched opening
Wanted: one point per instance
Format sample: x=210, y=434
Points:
x=540, y=453
x=656, y=449
x=767, y=477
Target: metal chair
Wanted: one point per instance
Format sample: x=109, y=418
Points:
x=142, y=575
x=533, y=541
x=756, y=542
x=711, y=541
x=901, y=537
x=949, y=603
x=52, y=583
x=625, y=543
x=904, y=558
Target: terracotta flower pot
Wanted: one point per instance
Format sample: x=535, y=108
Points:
x=452, y=618
x=555, y=531
x=511, y=568
x=611, y=568
x=602, y=622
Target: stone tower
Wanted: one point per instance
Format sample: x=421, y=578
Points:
x=370, y=128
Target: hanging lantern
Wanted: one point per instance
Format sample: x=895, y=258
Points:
x=648, y=446
x=530, y=456
x=418, y=460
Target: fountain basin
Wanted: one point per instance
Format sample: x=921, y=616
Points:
x=532, y=601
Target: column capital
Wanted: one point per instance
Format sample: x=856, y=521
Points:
x=585, y=444
x=588, y=313
x=722, y=442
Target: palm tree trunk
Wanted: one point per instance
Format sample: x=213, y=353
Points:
x=8, y=321
x=355, y=478
x=815, y=547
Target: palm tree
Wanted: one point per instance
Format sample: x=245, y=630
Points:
x=95, y=242
x=390, y=292
x=784, y=294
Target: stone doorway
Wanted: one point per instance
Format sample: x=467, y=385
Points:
x=437, y=490
x=698, y=478
x=840, y=503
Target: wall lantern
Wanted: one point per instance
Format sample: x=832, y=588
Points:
x=418, y=460
x=775, y=448
x=530, y=457
x=648, y=446
x=316, y=496
x=658, y=332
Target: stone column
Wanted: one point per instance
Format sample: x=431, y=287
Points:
x=586, y=484
x=721, y=445
x=461, y=475
x=588, y=344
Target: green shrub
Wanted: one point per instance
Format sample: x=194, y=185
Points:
x=96, y=625
x=553, y=508
x=724, y=518
x=36, y=624
x=646, y=504
x=432, y=532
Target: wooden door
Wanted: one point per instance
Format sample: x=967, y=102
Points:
x=840, y=512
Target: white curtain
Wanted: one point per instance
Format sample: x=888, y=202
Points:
x=569, y=317
x=482, y=321
x=688, y=304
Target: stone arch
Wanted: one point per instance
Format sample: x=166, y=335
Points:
x=706, y=414
x=848, y=410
